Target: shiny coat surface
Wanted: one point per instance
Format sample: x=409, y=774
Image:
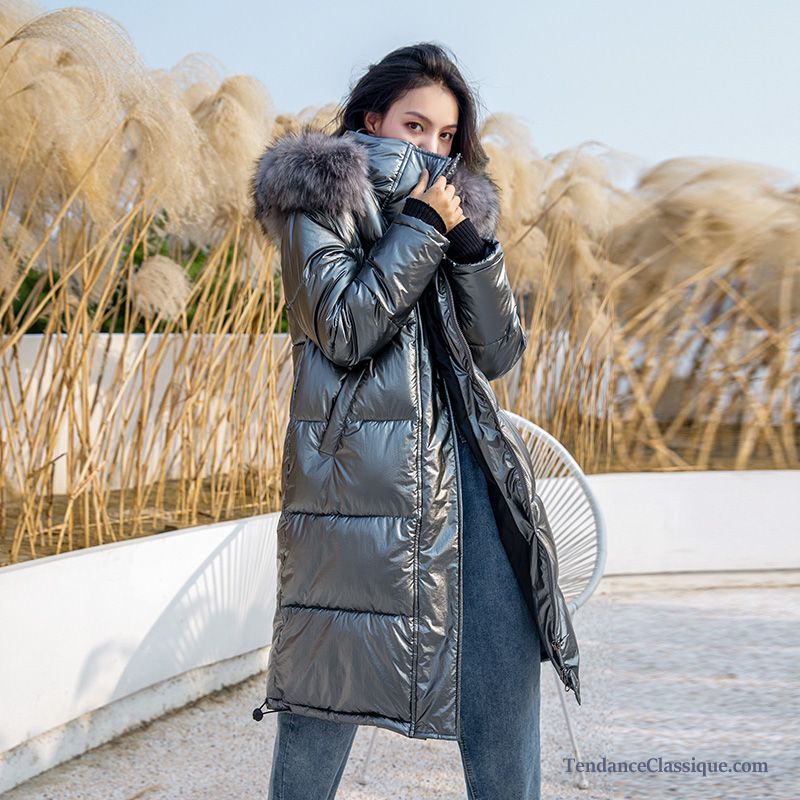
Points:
x=391, y=343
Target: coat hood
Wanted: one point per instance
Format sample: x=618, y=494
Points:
x=310, y=170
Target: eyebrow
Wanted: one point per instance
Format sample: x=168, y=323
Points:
x=423, y=117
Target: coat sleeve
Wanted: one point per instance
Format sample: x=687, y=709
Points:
x=488, y=311
x=351, y=306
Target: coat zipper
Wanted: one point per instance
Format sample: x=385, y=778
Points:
x=460, y=559
x=415, y=666
x=452, y=168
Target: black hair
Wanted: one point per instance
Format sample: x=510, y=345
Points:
x=408, y=68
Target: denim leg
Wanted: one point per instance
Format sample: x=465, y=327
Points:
x=500, y=665
x=309, y=757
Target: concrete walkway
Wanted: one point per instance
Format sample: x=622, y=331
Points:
x=703, y=674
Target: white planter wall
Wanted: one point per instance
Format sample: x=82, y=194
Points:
x=166, y=616
x=700, y=521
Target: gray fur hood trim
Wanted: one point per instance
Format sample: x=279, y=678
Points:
x=313, y=171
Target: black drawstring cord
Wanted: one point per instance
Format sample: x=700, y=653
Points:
x=258, y=714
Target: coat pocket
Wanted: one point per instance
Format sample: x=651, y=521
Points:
x=340, y=409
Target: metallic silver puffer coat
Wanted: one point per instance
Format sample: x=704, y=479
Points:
x=391, y=341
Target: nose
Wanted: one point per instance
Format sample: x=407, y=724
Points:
x=435, y=146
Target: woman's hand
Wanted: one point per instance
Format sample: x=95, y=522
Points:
x=442, y=196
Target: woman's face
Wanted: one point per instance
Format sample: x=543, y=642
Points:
x=426, y=116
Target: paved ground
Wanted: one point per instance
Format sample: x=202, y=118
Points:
x=708, y=674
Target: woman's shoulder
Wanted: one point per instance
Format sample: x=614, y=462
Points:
x=308, y=170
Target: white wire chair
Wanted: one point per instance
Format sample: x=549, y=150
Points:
x=579, y=531
x=572, y=510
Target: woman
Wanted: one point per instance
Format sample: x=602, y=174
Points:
x=417, y=574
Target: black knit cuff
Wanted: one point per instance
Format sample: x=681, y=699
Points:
x=466, y=244
x=424, y=211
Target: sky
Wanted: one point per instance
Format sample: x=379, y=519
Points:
x=653, y=80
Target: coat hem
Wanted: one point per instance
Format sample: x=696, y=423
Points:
x=376, y=720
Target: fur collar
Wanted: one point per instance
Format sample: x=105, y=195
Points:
x=342, y=175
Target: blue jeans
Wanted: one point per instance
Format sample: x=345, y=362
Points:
x=500, y=669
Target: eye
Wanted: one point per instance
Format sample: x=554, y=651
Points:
x=447, y=133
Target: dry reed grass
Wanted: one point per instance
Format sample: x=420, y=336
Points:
x=663, y=319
